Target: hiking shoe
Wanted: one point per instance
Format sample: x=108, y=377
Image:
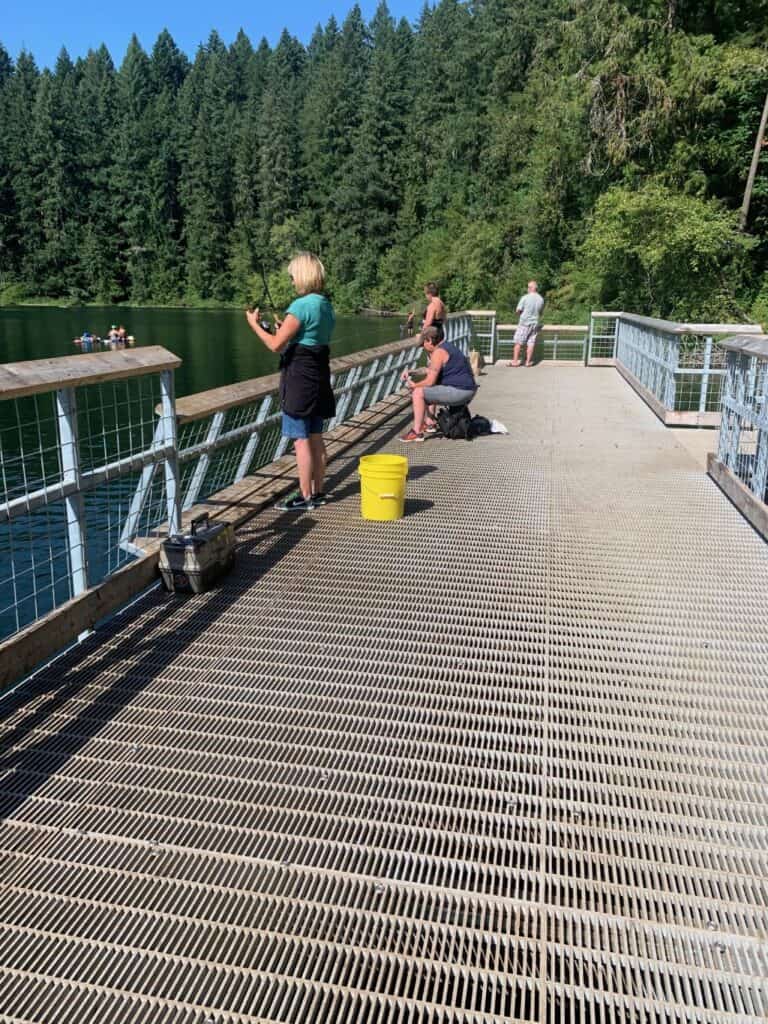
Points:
x=297, y=504
x=321, y=498
x=431, y=428
x=411, y=436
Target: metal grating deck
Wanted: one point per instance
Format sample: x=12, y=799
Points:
x=502, y=761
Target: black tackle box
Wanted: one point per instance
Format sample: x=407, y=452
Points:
x=194, y=561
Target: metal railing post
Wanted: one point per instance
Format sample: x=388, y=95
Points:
x=588, y=340
x=203, y=462
x=66, y=409
x=705, y=374
x=253, y=441
x=760, y=402
x=170, y=440
x=493, y=337
x=365, y=389
x=382, y=379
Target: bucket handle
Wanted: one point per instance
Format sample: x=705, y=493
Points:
x=368, y=488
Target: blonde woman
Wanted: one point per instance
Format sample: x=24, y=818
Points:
x=306, y=396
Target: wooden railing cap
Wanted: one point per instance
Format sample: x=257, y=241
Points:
x=35, y=376
x=573, y=328
x=206, y=403
x=748, y=344
x=676, y=327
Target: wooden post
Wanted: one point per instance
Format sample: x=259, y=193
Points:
x=753, y=168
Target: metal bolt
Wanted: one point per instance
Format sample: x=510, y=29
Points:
x=379, y=887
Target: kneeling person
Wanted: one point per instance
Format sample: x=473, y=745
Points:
x=449, y=381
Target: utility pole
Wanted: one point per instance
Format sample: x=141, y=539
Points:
x=753, y=168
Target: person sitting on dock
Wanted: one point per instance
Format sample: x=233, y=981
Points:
x=529, y=307
x=449, y=381
x=434, y=315
x=307, y=398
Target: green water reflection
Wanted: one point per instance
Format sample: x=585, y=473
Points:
x=216, y=346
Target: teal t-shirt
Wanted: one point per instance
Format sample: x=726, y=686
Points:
x=315, y=314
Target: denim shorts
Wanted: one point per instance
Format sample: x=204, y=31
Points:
x=298, y=428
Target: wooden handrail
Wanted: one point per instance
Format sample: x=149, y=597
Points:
x=748, y=345
x=35, y=376
x=563, y=328
x=674, y=327
x=205, y=403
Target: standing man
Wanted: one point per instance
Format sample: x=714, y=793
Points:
x=529, y=307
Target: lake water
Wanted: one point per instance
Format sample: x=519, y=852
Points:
x=216, y=346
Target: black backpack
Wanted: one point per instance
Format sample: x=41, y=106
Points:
x=455, y=422
x=480, y=426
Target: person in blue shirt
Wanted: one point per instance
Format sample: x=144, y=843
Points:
x=303, y=338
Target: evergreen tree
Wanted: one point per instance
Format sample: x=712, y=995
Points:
x=279, y=160
x=206, y=183
x=489, y=142
x=95, y=113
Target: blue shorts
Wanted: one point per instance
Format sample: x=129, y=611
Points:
x=298, y=428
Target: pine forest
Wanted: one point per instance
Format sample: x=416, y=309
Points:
x=601, y=147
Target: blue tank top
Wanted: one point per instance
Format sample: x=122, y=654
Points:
x=456, y=373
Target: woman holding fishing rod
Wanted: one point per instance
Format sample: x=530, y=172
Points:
x=302, y=338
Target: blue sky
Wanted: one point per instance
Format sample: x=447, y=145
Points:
x=44, y=26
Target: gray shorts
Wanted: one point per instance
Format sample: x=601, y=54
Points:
x=439, y=394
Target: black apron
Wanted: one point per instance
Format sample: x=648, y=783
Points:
x=305, y=381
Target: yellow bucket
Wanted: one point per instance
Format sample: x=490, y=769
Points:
x=382, y=486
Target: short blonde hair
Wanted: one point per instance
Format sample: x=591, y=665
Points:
x=308, y=273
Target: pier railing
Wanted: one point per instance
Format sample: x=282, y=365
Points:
x=99, y=460
x=558, y=343
x=740, y=465
x=677, y=368
x=75, y=434
x=229, y=432
x=484, y=332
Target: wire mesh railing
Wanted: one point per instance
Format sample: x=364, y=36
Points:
x=601, y=340
x=677, y=367
x=227, y=433
x=75, y=435
x=743, y=441
x=483, y=323
x=95, y=452
x=559, y=343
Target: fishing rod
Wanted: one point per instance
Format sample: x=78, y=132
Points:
x=265, y=294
